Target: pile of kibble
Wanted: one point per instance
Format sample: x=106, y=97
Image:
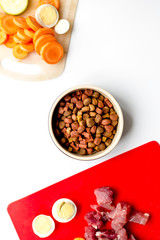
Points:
x=85, y=122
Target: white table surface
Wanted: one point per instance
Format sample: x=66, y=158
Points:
x=115, y=45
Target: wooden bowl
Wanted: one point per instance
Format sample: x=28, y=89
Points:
x=119, y=126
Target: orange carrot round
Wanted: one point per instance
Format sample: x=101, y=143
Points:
x=27, y=47
x=7, y=24
x=23, y=36
x=19, y=53
x=42, y=31
x=54, y=3
x=3, y=37
x=52, y=52
x=32, y=23
x=21, y=22
x=10, y=42
x=43, y=40
x=30, y=33
x=2, y=15
x=19, y=40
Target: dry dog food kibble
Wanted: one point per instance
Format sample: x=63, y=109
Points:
x=85, y=122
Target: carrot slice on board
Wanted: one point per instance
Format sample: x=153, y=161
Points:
x=27, y=47
x=3, y=37
x=10, y=42
x=2, y=15
x=32, y=23
x=21, y=22
x=30, y=33
x=19, y=53
x=43, y=40
x=19, y=40
x=54, y=3
x=7, y=24
x=23, y=36
x=52, y=52
x=42, y=31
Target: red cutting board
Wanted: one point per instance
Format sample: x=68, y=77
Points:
x=135, y=176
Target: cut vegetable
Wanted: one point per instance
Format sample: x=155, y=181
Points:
x=27, y=47
x=41, y=32
x=21, y=22
x=42, y=41
x=30, y=33
x=19, y=40
x=54, y=3
x=62, y=26
x=7, y=24
x=10, y=42
x=19, y=53
x=14, y=7
x=52, y=52
x=32, y=23
x=22, y=35
x=1, y=15
x=3, y=37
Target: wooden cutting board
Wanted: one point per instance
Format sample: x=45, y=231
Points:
x=135, y=177
x=35, y=68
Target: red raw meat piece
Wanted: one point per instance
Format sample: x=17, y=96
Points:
x=107, y=206
x=102, y=211
x=106, y=235
x=90, y=233
x=139, y=217
x=94, y=219
x=122, y=234
x=104, y=195
x=131, y=237
x=120, y=215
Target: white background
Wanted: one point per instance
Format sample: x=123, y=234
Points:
x=115, y=45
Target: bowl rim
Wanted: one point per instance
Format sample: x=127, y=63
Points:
x=116, y=138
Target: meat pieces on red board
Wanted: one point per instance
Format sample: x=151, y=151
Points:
x=120, y=215
x=104, y=195
x=102, y=211
x=139, y=217
x=106, y=235
x=94, y=219
x=122, y=234
x=90, y=233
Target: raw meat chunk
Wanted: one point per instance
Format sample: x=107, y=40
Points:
x=94, y=219
x=139, y=217
x=104, y=195
x=106, y=234
x=90, y=233
x=122, y=234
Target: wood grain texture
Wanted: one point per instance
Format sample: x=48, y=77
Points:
x=46, y=71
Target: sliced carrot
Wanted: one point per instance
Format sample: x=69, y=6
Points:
x=7, y=24
x=21, y=22
x=2, y=15
x=32, y=23
x=43, y=40
x=27, y=47
x=19, y=40
x=42, y=31
x=23, y=36
x=3, y=37
x=10, y=42
x=30, y=33
x=19, y=53
x=54, y=3
x=52, y=52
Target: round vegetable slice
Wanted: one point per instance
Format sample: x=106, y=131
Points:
x=19, y=40
x=21, y=22
x=3, y=37
x=19, y=53
x=43, y=40
x=27, y=47
x=52, y=52
x=42, y=31
x=54, y=3
x=7, y=24
x=21, y=35
x=10, y=42
x=1, y=15
x=30, y=33
x=32, y=23
x=14, y=7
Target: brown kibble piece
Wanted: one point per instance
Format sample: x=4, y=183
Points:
x=63, y=140
x=100, y=104
x=62, y=104
x=67, y=98
x=74, y=126
x=71, y=106
x=85, y=109
x=102, y=146
x=98, y=110
x=66, y=106
x=89, y=151
x=79, y=113
x=57, y=132
x=79, y=104
x=86, y=135
x=91, y=107
x=108, y=142
x=82, y=123
x=93, y=129
x=83, y=146
x=67, y=113
x=61, y=110
x=114, y=116
x=81, y=129
x=98, y=135
x=74, y=117
x=98, y=118
x=109, y=104
x=85, y=116
x=91, y=144
x=97, y=140
x=68, y=120
x=75, y=110
x=82, y=151
x=114, y=123
x=106, y=122
x=94, y=101
x=61, y=124
x=88, y=92
x=95, y=95
x=105, y=109
x=90, y=122
x=106, y=115
x=101, y=98
x=100, y=129
x=84, y=96
x=107, y=134
x=109, y=128
x=87, y=101
x=74, y=134
x=68, y=131
x=92, y=114
x=79, y=92
x=74, y=100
